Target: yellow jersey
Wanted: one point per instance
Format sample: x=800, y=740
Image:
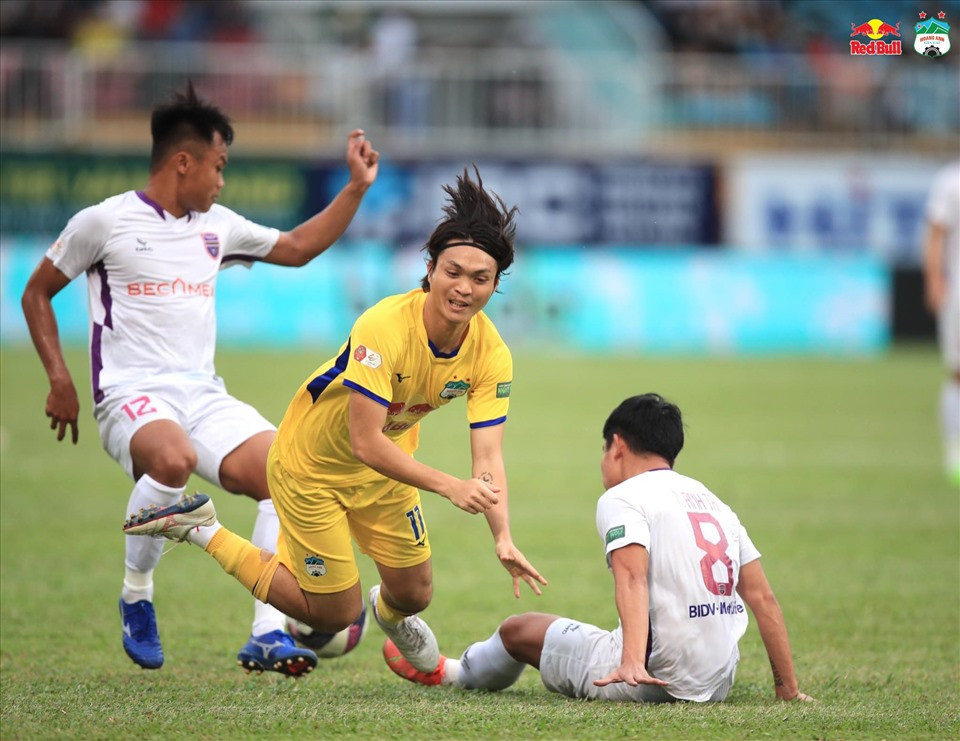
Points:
x=389, y=358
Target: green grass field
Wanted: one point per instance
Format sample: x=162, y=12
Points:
x=833, y=465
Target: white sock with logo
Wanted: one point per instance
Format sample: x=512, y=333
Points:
x=143, y=553
x=266, y=531
x=484, y=666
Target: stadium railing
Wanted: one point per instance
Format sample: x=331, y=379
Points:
x=493, y=102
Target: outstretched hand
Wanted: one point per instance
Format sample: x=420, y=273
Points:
x=630, y=673
x=520, y=568
x=362, y=159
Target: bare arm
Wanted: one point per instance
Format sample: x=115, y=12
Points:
x=756, y=592
x=63, y=406
x=934, y=281
x=486, y=446
x=304, y=242
x=630, y=565
x=373, y=448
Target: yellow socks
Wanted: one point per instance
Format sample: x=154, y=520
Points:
x=244, y=562
x=388, y=614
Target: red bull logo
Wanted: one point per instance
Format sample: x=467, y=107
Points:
x=875, y=30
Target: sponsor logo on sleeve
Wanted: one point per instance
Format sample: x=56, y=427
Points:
x=366, y=356
x=614, y=533
x=503, y=389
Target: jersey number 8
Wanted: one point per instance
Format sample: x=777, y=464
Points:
x=715, y=553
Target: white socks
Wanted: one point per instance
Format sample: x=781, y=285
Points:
x=137, y=585
x=484, y=666
x=950, y=424
x=143, y=554
x=266, y=531
x=201, y=535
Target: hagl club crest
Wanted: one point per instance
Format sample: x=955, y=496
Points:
x=453, y=389
x=933, y=38
x=315, y=566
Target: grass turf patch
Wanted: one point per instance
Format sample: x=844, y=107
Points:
x=833, y=466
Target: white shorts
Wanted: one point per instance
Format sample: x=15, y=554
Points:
x=215, y=422
x=575, y=654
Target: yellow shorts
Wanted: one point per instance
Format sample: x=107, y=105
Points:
x=383, y=516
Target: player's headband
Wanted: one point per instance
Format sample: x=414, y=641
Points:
x=465, y=244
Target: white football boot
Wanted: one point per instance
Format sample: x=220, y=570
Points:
x=173, y=522
x=412, y=637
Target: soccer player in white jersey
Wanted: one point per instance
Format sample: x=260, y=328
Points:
x=942, y=290
x=681, y=564
x=151, y=258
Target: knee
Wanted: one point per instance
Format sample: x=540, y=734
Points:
x=419, y=601
x=173, y=466
x=412, y=597
x=512, y=633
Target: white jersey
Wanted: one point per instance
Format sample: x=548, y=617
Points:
x=151, y=281
x=696, y=545
x=943, y=208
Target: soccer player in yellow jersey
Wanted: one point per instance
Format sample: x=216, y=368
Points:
x=342, y=467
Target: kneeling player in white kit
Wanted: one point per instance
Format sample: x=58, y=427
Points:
x=681, y=562
x=151, y=258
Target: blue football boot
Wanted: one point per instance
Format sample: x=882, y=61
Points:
x=140, y=638
x=276, y=652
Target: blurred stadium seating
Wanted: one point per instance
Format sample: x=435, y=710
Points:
x=742, y=126
x=583, y=79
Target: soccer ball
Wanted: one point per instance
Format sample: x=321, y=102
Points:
x=329, y=645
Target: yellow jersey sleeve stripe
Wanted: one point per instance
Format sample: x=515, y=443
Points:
x=489, y=422
x=366, y=392
x=319, y=384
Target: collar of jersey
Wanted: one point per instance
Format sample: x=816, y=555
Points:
x=438, y=354
x=161, y=211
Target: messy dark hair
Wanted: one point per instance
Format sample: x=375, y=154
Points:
x=476, y=217
x=186, y=118
x=647, y=424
